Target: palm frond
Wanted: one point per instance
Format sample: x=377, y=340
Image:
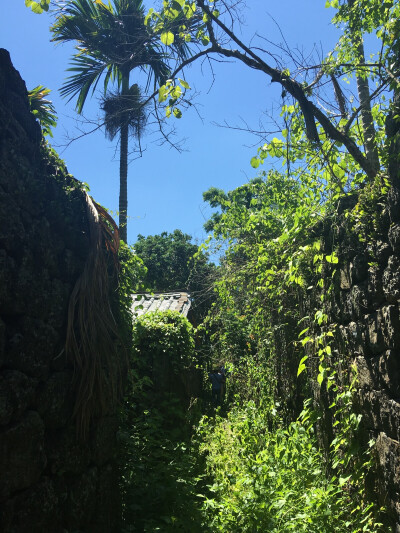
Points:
x=43, y=109
x=76, y=21
x=112, y=36
x=88, y=71
x=92, y=332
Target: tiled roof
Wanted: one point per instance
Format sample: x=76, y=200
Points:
x=169, y=301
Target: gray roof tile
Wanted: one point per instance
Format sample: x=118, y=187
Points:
x=173, y=301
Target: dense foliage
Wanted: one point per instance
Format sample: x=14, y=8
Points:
x=161, y=335
x=156, y=422
x=271, y=232
x=246, y=471
x=265, y=466
x=265, y=475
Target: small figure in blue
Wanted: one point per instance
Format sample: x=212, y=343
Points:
x=217, y=380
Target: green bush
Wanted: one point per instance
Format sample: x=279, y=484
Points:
x=159, y=469
x=163, y=334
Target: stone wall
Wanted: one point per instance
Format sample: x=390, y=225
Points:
x=50, y=480
x=363, y=311
x=368, y=297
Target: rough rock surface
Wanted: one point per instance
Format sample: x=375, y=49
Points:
x=366, y=310
x=49, y=481
x=363, y=310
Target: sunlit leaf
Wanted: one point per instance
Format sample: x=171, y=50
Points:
x=167, y=38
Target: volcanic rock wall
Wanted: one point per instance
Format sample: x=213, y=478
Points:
x=50, y=481
x=369, y=299
x=363, y=311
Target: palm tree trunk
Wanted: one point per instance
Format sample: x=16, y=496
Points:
x=367, y=120
x=123, y=168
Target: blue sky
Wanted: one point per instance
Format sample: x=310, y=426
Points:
x=165, y=187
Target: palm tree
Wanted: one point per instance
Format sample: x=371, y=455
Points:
x=124, y=114
x=112, y=41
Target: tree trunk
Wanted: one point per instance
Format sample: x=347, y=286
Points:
x=367, y=120
x=123, y=168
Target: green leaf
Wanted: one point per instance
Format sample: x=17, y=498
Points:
x=167, y=38
x=302, y=366
x=162, y=93
x=306, y=340
x=189, y=10
x=304, y=331
x=344, y=480
x=332, y=258
x=184, y=83
x=36, y=8
x=255, y=162
x=328, y=350
x=176, y=92
x=177, y=112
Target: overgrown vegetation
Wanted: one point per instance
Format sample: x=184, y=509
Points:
x=158, y=477
x=246, y=471
x=266, y=475
x=288, y=455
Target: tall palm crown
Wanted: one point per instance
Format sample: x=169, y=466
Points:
x=112, y=40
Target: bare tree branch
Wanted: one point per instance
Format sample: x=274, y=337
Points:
x=311, y=112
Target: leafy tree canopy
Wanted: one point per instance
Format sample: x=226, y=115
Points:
x=323, y=124
x=270, y=195
x=171, y=263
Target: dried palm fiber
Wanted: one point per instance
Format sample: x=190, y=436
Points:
x=93, y=342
